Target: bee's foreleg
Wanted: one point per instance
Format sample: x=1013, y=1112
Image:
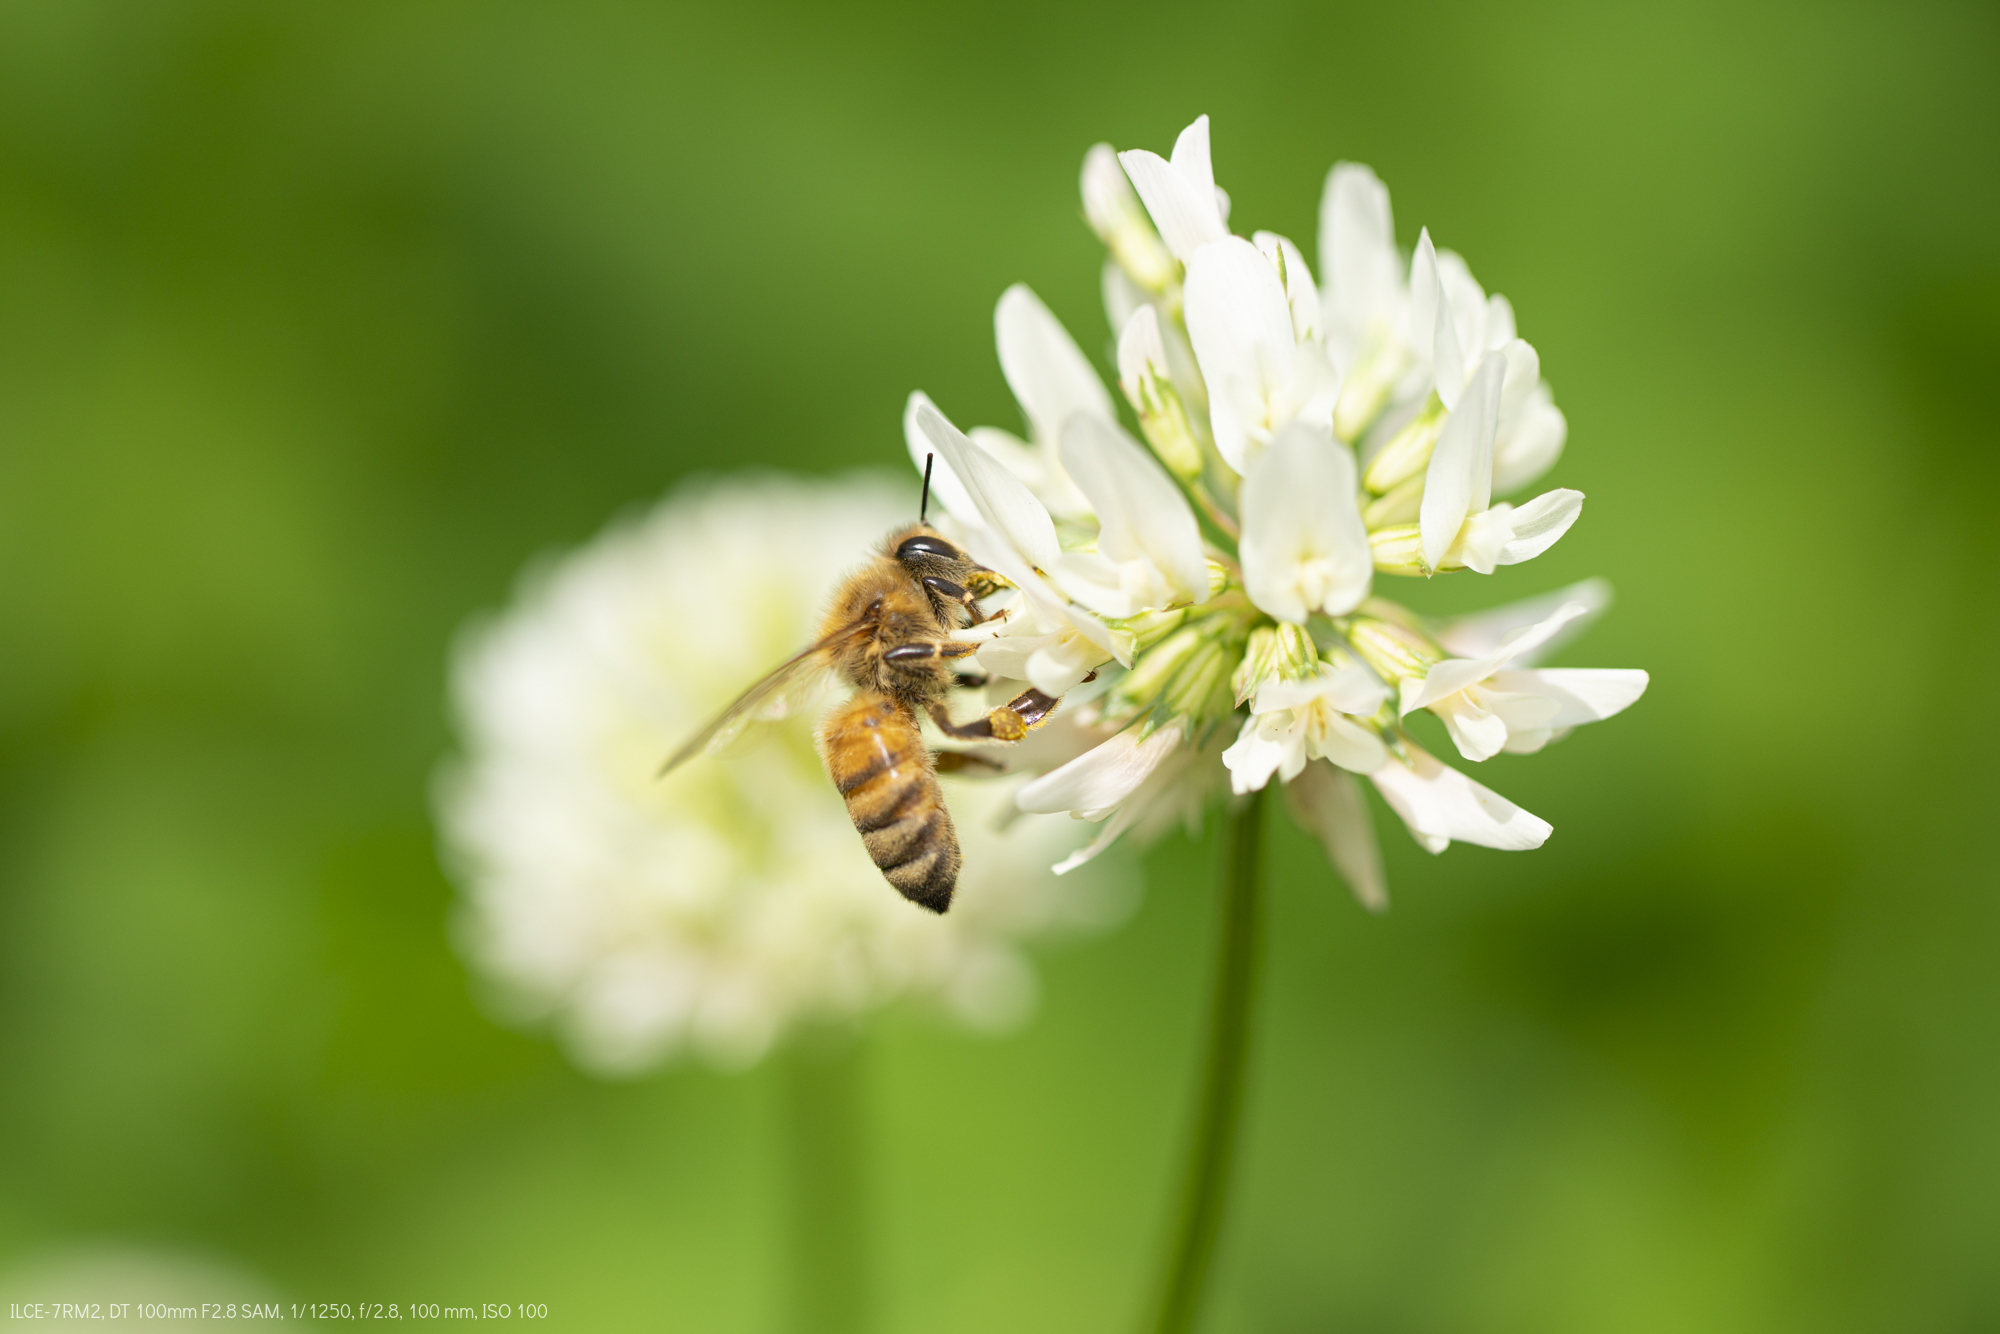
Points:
x=967, y=598
x=1010, y=722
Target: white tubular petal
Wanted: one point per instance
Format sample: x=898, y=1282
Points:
x=1357, y=253
x=1479, y=733
x=1141, y=514
x=1529, y=441
x=1300, y=294
x=1191, y=156
x=1447, y=358
x=1122, y=297
x=1121, y=820
x=1452, y=675
x=1181, y=194
x=1524, y=372
x=1353, y=747
x=1443, y=680
x=1459, y=292
x=1060, y=665
x=1050, y=376
x=1459, y=479
x=1004, y=504
x=1441, y=805
x=1352, y=689
x=1539, y=523
x=1106, y=195
x=946, y=489
x=1254, y=757
x=1241, y=326
x=1477, y=635
x=1304, y=547
x=1101, y=777
x=1328, y=804
x=1581, y=694
x=1140, y=351
x=1424, y=299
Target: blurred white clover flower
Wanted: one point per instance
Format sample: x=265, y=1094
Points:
x=720, y=906
x=1219, y=592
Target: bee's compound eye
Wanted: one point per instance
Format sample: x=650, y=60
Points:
x=919, y=548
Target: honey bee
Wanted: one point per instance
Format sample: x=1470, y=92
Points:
x=888, y=634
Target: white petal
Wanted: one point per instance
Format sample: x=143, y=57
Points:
x=1524, y=372
x=1300, y=294
x=1181, y=194
x=1528, y=442
x=1539, y=523
x=946, y=489
x=1459, y=480
x=1455, y=674
x=1141, y=514
x=1304, y=546
x=1059, y=666
x=1352, y=689
x=1353, y=747
x=1101, y=777
x=1241, y=326
x=1581, y=694
x=1478, y=732
x=1357, y=253
x=1107, y=834
x=1440, y=805
x=1500, y=327
x=1004, y=504
x=1328, y=804
x=1459, y=292
x=1191, y=156
x=1448, y=358
x=1122, y=297
x=1424, y=299
x=1020, y=458
x=1254, y=757
x=1140, y=351
x=1477, y=635
x=1050, y=376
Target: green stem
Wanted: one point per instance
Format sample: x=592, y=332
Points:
x=1211, y=1150
x=825, y=1099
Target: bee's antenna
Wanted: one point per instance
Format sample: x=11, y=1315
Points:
x=924, y=510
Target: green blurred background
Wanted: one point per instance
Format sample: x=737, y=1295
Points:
x=316, y=323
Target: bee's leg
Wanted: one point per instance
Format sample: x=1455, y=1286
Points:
x=924, y=650
x=958, y=761
x=1010, y=722
x=947, y=591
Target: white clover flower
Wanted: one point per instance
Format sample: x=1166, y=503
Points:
x=1488, y=709
x=1216, y=612
x=719, y=907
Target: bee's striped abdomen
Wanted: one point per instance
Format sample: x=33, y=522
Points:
x=876, y=756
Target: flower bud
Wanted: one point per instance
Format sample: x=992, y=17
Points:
x=1115, y=214
x=1149, y=388
x=1153, y=670
x=1368, y=386
x=1200, y=689
x=1282, y=652
x=1403, y=503
x=1408, y=450
x=1393, y=651
x=1141, y=632
x=1399, y=550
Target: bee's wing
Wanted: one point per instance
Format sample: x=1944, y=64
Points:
x=768, y=698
